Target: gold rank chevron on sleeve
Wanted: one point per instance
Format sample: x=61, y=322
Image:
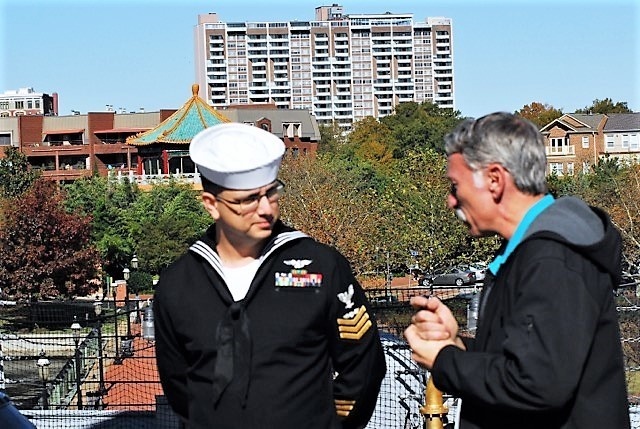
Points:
x=355, y=328
x=344, y=407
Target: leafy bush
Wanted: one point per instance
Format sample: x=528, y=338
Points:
x=140, y=281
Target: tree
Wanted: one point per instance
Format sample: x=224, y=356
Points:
x=331, y=200
x=372, y=142
x=46, y=251
x=109, y=204
x=164, y=222
x=139, y=281
x=332, y=139
x=539, y=113
x=420, y=126
x=606, y=106
x=157, y=225
x=16, y=175
x=419, y=219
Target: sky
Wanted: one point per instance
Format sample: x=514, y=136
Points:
x=134, y=54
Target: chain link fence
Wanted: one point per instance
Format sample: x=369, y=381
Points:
x=102, y=373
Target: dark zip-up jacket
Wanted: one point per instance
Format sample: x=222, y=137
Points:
x=301, y=346
x=547, y=352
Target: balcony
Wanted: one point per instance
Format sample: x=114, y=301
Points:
x=560, y=150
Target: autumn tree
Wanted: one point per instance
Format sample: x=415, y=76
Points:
x=332, y=201
x=619, y=195
x=606, y=106
x=615, y=188
x=15, y=174
x=46, y=251
x=371, y=142
x=539, y=113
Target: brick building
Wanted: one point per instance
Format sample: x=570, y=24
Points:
x=575, y=141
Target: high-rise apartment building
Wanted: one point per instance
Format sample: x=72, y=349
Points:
x=341, y=67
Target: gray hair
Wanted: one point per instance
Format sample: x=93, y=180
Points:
x=505, y=139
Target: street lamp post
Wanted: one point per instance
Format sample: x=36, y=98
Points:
x=75, y=328
x=136, y=314
x=388, y=281
x=97, y=305
x=43, y=371
x=118, y=358
x=126, y=273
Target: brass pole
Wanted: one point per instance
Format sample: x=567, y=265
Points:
x=434, y=410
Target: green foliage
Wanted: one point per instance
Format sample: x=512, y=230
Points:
x=606, y=106
x=167, y=220
x=139, y=281
x=109, y=203
x=418, y=218
x=420, y=126
x=332, y=139
x=15, y=174
x=47, y=252
x=157, y=226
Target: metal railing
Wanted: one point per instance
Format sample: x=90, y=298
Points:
x=119, y=384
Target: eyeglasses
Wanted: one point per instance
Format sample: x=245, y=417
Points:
x=250, y=204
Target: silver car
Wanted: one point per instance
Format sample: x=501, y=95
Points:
x=454, y=275
x=477, y=267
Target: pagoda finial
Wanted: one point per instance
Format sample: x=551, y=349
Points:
x=194, y=89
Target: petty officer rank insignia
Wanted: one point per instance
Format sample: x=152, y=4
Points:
x=298, y=276
x=355, y=323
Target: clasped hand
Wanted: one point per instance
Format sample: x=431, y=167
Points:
x=432, y=327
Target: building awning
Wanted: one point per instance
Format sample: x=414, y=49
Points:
x=58, y=132
x=121, y=130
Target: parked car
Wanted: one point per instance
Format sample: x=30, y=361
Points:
x=449, y=276
x=477, y=267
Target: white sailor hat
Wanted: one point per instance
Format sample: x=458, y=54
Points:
x=237, y=156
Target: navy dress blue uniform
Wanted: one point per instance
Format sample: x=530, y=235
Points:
x=304, y=318
x=290, y=341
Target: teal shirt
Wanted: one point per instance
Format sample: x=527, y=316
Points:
x=518, y=235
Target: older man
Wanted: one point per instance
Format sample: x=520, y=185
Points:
x=547, y=350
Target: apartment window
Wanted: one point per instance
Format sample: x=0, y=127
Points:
x=556, y=144
x=5, y=139
x=291, y=130
x=634, y=142
x=19, y=104
x=610, y=142
x=4, y=105
x=29, y=104
x=625, y=141
x=570, y=168
x=586, y=167
x=556, y=168
x=585, y=142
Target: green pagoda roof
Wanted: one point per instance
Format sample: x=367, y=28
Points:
x=194, y=116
